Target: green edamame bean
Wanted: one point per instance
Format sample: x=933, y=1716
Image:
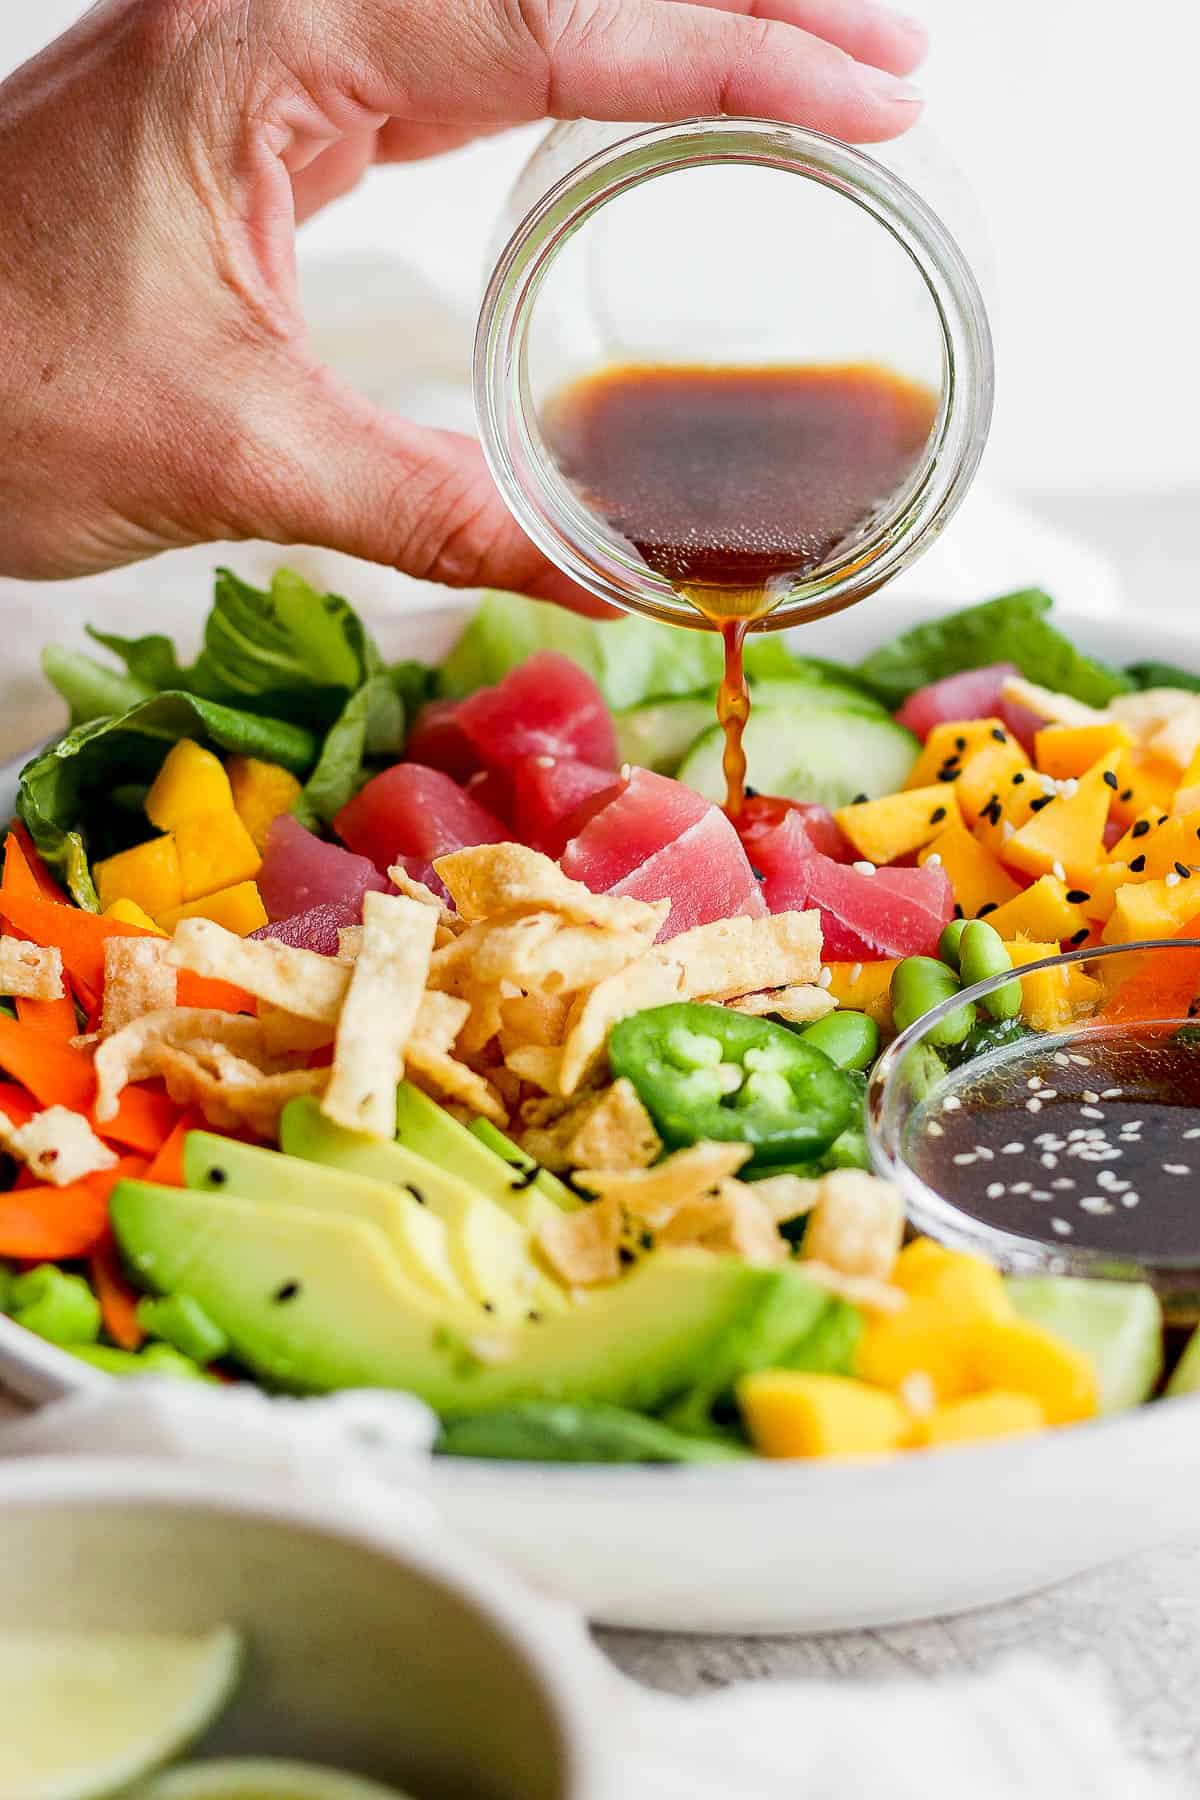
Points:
x=982, y=953
x=183, y=1323
x=59, y=1307
x=950, y=940
x=920, y=983
x=849, y=1039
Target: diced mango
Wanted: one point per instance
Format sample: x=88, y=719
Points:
x=864, y=987
x=1066, y=750
x=977, y=1419
x=149, y=874
x=1013, y=805
x=987, y=775
x=898, y=824
x=1018, y=1355
x=1152, y=909
x=921, y=1339
x=1187, y=794
x=1143, y=781
x=128, y=912
x=1053, y=998
x=1164, y=846
x=261, y=791
x=1136, y=840
x=963, y=1285
x=214, y=852
x=948, y=747
x=974, y=873
x=238, y=908
x=191, y=783
x=1043, y=912
x=792, y=1413
x=1067, y=836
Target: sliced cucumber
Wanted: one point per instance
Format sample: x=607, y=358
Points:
x=262, y=1778
x=809, y=754
x=829, y=696
x=660, y=734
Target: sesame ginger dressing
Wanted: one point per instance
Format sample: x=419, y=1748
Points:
x=734, y=483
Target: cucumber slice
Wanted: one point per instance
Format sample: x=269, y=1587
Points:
x=1117, y=1323
x=660, y=734
x=262, y=1778
x=809, y=754
x=83, y=1714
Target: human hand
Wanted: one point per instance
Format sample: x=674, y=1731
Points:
x=157, y=387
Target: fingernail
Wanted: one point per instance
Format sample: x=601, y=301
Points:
x=883, y=86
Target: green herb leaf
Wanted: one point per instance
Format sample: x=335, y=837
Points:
x=371, y=724
x=1012, y=629
x=1158, y=675
x=550, y=1431
x=91, y=689
x=151, y=660
x=291, y=653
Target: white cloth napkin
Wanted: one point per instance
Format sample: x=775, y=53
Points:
x=1026, y=1730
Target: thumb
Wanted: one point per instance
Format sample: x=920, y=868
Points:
x=339, y=472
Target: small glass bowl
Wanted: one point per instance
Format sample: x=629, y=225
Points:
x=1037, y=1156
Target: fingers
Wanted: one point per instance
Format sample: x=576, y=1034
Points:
x=869, y=33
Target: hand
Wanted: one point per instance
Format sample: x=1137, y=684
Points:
x=156, y=383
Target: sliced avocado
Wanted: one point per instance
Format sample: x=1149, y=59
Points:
x=491, y=1253
x=312, y=1302
x=1118, y=1324
x=513, y=1157
x=214, y=1164
x=424, y=1126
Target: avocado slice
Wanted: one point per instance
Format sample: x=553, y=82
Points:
x=312, y=1302
x=424, y=1126
x=492, y=1254
x=1119, y=1324
x=213, y=1164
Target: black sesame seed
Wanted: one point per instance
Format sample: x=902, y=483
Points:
x=646, y=1240
x=958, y=911
x=1077, y=896
x=1018, y=778
x=960, y=743
x=751, y=793
x=1138, y=864
x=1162, y=818
x=218, y=1177
x=1183, y=872
x=948, y=774
x=1042, y=800
x=526, y=1178
x=999, y=733
x=1078, y=937
x=288, y=1291
x=937, y=815
x=858, y=800
x=625, y=1254
x=993, y=811
x=535, y=1318
x=1126, y=794
x=416, y=1193
x=989, y=906
x=489, y=1306
x=1141, y=828
x=1110, y=780
x=758, y=874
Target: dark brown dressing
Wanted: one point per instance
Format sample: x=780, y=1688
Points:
x=732, y=483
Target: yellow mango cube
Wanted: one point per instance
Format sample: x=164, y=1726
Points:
x=1017, y=1355
x=792, y=1413
x=923, y=1338
x=1164, y=847
x=1053, y=998
x=987, y=775
x=1136, y=841
x=948, y=748
x=1066, y=837
x=1066, y=750
x=128, y=912
x=261, y=791
x=980, y=1418
x=898, y=824
x=1144, y=782
x=963, y=1285
x=1011, y=808
x=191, y=783
x=150, y=875
x=864, y=987
x=1153, y=909
x=974, y=873
x=1042, y=912
x=215, y=852
x=238, y=908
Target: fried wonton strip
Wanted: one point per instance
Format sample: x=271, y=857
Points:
x=57, y=1145
x=498, y=878
x=349, y=943
x=379, y=1012
x=1055, y=708
x=651, y=981
x=28, y=972
x=859, y=1290
x=137, y=980
x=283, y=1034
x=798, y=1005
x=537, y=1063
x=299, y=981
x=440, y=1018
x=533, y=1019
x=788, y=1196
x=655, y=1195
x=132, y=1054
x=618, y=1133
x=733, y=1221
x=451, y=1080
x=448, y=920
x=744, y=956
x=231, y=1093
x=583, y=1248
x=856, y=1225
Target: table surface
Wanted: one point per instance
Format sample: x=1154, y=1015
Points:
x=1139, y=1619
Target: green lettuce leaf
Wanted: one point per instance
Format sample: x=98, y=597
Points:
x=371, y=725
x=151, y=660
x=64, y=796
x=1157, y=674
x=1012, y=629
x=91, y=689
x=555, y=1431
x=291, y=653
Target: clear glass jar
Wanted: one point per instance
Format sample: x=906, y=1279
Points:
x=731, y=242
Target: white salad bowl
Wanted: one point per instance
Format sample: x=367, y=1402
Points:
x=779, y=1547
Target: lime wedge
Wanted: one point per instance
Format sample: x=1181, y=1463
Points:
x=82, y=1714
x=261, y=1778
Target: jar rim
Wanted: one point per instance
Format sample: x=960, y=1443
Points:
x=539, y=498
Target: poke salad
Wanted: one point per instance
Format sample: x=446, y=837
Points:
x=376, y=1024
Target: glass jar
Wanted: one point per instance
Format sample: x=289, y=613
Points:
x=724, y=242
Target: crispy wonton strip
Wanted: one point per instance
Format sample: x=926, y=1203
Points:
x=230, y=1092
x=744, y=956
x=380, y=1009
x=413, y=889
x=132, y=1053
x=137, y=980
x=28, y=972
x=733, y=1221
x=498, y=878
x=656, y=1195
x=618, y=1133
x=583, y=1248
x=298, y=981
x=798, y=1005
x=57, y=1145
x=651, y=981
x=856, y=1225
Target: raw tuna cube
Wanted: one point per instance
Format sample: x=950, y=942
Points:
x=763, y=814
x=315, y=929
x=1022, y=721
x=975, y=694
x=892, y=913
x=438, y=741
x=649, y=812
x=300, y=872
x=704, y=873
x=411, y=811
x=548, y=793
x=547, y=707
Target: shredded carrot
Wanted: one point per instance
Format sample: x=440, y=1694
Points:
x=167, y=1166
x=58, y=1075
x=1160, y=987
x=24, y=870
x=81, y=936
x=145, y=1119
x=16, y=1104
x=44, y=1223
x=118, y=1300
x=220, y=996
x=54, y=1018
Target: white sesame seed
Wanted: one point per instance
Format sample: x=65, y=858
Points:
x=1081, y=1062
x=951, y=1103
x=1034, y=1105
x=1090, y=1112
x=1095, y=1203
x=995, y=1189
x=1034, y=1082
x=1047, y=1161
x=1090, y=1095
x=1021, y=1187
x=1061, y=1227
x=1173, y=879
x=1076, y=1132
x=934, y=1129
x=984, y=1154
x=1176, y=1169
x=964, y=1158
x=863, y=868
x=1060, y=874
x=1040, y=1194
x=1112, y=1093
x=855, y=973
x=1063, y=1184
x=1048, y=784
x=1132, y=1125
x=1062, y=1059
x=1130, y=1199
x=626, y=771
x=1049, y=1093
x=1106, y=1179
x=1013, y=1149
x=825, y=978
x=543, y=762
x=1069, y=788
x=1193, y=1133
x=933, y=861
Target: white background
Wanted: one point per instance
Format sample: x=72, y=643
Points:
x=1076, y=122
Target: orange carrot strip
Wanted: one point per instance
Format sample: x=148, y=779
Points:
x=54, y=1018
x=167, y=1166
x=118, y=1300
x=30, y=866
x=55, y=1074
x=145, y=1119
x=16, y=1104
x=81, y=936
x=42, y=1222
x=1161, y=987
x=220, y=996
